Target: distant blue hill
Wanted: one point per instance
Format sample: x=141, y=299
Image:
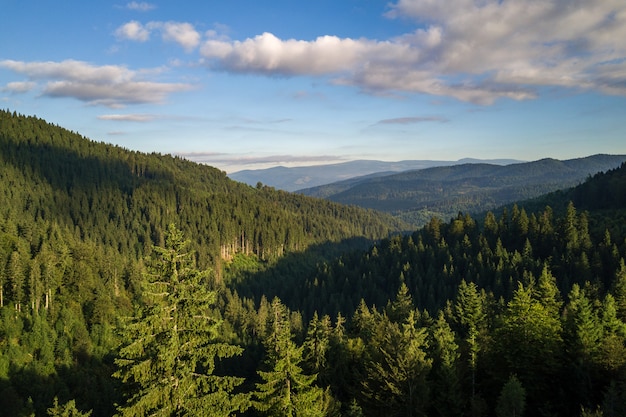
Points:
x=415, y=196
x=297, y=178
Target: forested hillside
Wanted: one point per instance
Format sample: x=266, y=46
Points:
x=135, y=284
x=416, y=196
x=125, y=199
x=77, y=219
x=530, y=303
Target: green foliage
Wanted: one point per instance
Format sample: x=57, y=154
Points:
x=397, y=369
x=529, y=341
x=285, y=389
x=76, y=220
x=512, y=399
x=418, y=195
x=447, y=399
x=432, y=322
x=171, y=347
x=66, y=410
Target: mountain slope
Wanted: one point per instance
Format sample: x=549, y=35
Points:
x=77, y=220
x=97, y=187
x=444, y=191
x=296, y=178
x=516, y=272
x=603, y=196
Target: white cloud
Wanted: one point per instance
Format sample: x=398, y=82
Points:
x=184, y=34
x=19, y=87
x=140, y=6
x=526, y=42
x=268, y=54
x=472, y=50
x=412, y=120
x=128, y=117
x=108, y=85
x=133, y=31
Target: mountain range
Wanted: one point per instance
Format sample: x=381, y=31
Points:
x=443, y=191
x=297, y=178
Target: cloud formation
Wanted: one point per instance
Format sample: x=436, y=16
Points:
x=182, y=33
x=476, y=51
x=108, y=85
x=472, y=50
x=128, y=117
x=19, y=87
x=140, y=6
x=134, y=31
x=412, y=120
x=266, y=53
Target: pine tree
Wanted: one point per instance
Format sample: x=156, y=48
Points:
x=547, y=293
x=512, y=399
x=529, y=340
x=172, y=347
x=15, y=273
x=286, y=390
x=612, y=349
x=317, y=343
x=619, y=290
x=469, y=310
x=447, y=399
x=66, y=410
x=582, y=324
x=400, y=309
x=397, y=368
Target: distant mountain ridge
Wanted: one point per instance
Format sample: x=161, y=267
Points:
x=416, y=196
x=297, y=178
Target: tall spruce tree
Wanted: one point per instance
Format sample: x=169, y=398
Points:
x=397, y=369
x=619, y=290
x=447, y=397
x=512, y=399
x=286, y=390
x=529, y=340
x=172, y=345
x=469, y=312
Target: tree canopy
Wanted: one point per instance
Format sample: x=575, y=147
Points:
x=259, y=302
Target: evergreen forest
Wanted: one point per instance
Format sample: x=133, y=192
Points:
x=137, y=284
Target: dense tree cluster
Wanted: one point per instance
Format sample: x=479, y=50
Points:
x=77, y=220
x=124, y=199
x=135, y=284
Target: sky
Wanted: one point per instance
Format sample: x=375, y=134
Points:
x=248, y=84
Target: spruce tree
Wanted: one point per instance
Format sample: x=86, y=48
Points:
x=286, y=390
x=397, y=368
x=619, y=290
x=512, y=399
x=469, y=312
x=317, y=343
x=172, y=344
x=529, y=340
x=446, y=385
x=66, y=410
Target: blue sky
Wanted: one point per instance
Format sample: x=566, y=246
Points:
x=244, y=84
